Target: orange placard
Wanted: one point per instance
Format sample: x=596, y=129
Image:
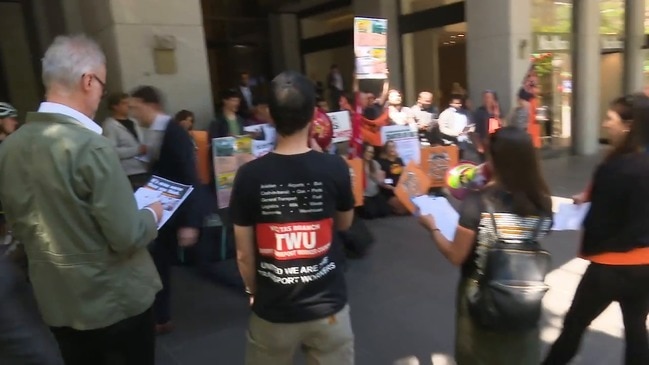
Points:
x=436, y=161
x=202, y=155
x=357, y=174
x=412, y=183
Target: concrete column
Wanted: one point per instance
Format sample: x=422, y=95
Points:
x=386, y=9
x=127, y=32
x=409, y=72
x=434, y=44
x=285, y=42
x=634, y=17
x=498, y=52
x=586, y=58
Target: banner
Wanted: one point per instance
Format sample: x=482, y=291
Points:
x=230, y=153
x=370, y=47
x=436, y=161
x=357, y=173
x=342, y=126
x=407, y=142
x=412, y=183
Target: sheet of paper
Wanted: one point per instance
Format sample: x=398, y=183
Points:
x=167, y=192
x=446, y=217
x=569, y=217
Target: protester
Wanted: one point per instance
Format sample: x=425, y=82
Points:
x=174, y=159
x=519, y=197
x=399, y=114
x=374, y=203
x=126, y=137
x=185, y=119
x=392, y=166
x=71, y=205
x=615, y=238
x=296, y=290
x=8, y=120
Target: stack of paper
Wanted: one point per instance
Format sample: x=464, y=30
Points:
x=445, y=215
x=569, y=217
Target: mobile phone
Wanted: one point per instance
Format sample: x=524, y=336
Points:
x=388, y=181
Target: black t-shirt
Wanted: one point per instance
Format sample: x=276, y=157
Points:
x=474, y=215
x=290, y=201
x=392, y=169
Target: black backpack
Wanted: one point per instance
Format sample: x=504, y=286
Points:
x=512, y=285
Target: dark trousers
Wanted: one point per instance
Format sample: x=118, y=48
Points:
x=128, y=342
x=165, y=253
x=601, y=285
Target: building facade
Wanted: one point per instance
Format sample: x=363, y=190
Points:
x=585, y=52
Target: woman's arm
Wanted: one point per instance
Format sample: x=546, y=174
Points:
x=457, y=251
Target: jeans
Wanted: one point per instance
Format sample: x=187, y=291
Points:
x=599, y=287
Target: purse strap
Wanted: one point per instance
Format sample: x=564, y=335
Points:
x=490, y=210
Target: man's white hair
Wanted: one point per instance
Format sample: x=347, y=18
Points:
x=68, y=58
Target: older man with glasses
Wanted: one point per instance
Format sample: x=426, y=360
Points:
x=71, y=205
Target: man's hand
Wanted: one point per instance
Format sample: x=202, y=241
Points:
x=143, y=149
x=157, y=209
x=187, y=236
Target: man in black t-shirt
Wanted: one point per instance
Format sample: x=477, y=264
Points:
x=286, y=208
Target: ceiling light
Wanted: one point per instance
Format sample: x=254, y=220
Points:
x=460, y=35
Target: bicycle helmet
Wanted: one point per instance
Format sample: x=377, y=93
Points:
x=7, y=111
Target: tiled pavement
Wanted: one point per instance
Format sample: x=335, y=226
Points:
x=401, y=296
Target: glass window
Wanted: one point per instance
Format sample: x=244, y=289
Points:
x=552, y=58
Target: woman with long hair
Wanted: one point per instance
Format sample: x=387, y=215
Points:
x=615, y=238
x=392, y=166
x=374, y=203
x=520, y=201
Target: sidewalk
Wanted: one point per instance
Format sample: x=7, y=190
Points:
x=402, y=297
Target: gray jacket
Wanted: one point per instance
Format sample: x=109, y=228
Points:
x=126, y=145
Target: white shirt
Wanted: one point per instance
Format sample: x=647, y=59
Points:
x=56, y=108
x=247, y=94
x=452, y=122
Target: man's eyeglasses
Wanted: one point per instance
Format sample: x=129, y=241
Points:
x=104, y=91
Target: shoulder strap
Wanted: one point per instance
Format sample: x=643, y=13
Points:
x=537, y=228
x=490, y=210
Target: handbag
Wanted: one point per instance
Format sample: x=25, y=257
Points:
x=511, y=285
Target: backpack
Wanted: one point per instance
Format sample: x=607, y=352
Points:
x=512, y=285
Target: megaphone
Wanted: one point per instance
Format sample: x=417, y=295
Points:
x=465, y=177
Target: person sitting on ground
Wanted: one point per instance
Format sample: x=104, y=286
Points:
x=374, y=203
x=392, y=166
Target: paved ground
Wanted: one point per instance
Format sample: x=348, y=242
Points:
x=402, y=298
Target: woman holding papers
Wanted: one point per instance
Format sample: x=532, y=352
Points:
x=615, y=237
x=519, y=199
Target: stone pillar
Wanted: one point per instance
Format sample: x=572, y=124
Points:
x=498, y=52
x=285, y=42
x=634, y=17
x=386, y=9
x=128, y=33
x=586, y=58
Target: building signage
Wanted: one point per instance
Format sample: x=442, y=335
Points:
x=561, y=42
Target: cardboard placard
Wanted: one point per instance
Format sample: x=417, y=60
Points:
x=412, y=183
x=436, y=161
x=357, y=173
